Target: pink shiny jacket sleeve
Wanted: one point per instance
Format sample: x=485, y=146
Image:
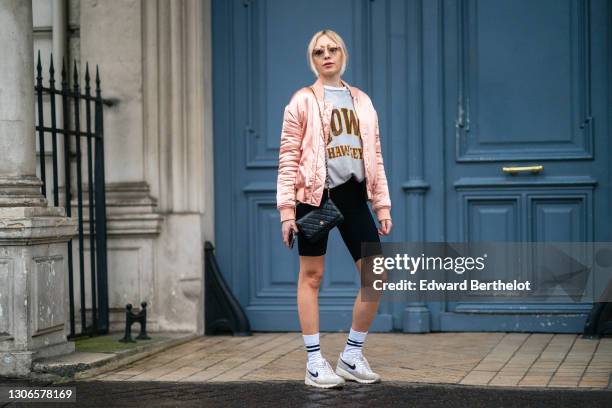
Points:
x=381, y=201
x=289, y=159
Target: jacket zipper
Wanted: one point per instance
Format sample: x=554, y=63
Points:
x=314, y=173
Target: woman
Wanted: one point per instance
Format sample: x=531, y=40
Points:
x=339, y=120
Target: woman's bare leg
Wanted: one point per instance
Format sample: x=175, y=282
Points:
x=309, y=281
x=364, y=311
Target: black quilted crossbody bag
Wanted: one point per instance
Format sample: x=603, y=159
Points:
x=321, y=220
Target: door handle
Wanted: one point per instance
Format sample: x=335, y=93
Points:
x=520, y=169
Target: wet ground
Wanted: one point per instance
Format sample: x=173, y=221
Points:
x=295, y=394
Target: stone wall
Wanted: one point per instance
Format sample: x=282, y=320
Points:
x=154, y=59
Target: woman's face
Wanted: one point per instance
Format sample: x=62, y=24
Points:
x=327, y=57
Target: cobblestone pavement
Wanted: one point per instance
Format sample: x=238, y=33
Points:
x=492, y=359
x=429, y=370
x=294, y=394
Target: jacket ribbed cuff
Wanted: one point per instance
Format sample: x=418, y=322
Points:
x=383, y=213
x=287, y=213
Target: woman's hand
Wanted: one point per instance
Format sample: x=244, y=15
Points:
x=286, y=228
x=385, y=227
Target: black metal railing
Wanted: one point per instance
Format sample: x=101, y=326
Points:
x=73, y=137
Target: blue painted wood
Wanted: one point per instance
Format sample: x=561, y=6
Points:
x=523, y=65
x=462, y=88
x=523, y=308
x=331, y=320
x=524, y=85
x=259, y=60
x=513, y=322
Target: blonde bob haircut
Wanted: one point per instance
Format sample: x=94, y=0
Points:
x=335, y=37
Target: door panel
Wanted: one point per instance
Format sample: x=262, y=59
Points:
x=520, y=80
x=491, y=218
x=523, y=80
x=560, y=217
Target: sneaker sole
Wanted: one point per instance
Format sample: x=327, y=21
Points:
x=348, y=376
x=308, y=381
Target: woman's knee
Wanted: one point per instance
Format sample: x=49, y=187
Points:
x=312, y=275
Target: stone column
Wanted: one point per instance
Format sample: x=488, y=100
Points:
x=33, y=236
x=178, y=122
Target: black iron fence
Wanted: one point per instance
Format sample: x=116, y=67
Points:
x=67, y=150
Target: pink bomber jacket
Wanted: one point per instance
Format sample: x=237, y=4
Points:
x=301, y=164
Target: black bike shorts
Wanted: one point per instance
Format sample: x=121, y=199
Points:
x=358, y=225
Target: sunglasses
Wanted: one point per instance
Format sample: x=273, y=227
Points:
x=320, y=52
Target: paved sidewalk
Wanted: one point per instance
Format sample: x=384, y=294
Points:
x=491, y=359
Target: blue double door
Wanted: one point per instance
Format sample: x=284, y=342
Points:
x=463, y=89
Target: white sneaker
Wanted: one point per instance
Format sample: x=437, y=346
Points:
x=357, y=369
x=322, y=375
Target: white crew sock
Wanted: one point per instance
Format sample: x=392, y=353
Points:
x=311, y=341
x=354, y=344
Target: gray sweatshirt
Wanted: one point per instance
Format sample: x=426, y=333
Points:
x=344, y=151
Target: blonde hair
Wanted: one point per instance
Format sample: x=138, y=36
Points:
x=335, y=37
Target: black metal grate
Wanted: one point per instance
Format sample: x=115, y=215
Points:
x=72, y=99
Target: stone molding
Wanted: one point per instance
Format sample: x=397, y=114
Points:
x=21, y=191
x=130, y=210
x=35, y=226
